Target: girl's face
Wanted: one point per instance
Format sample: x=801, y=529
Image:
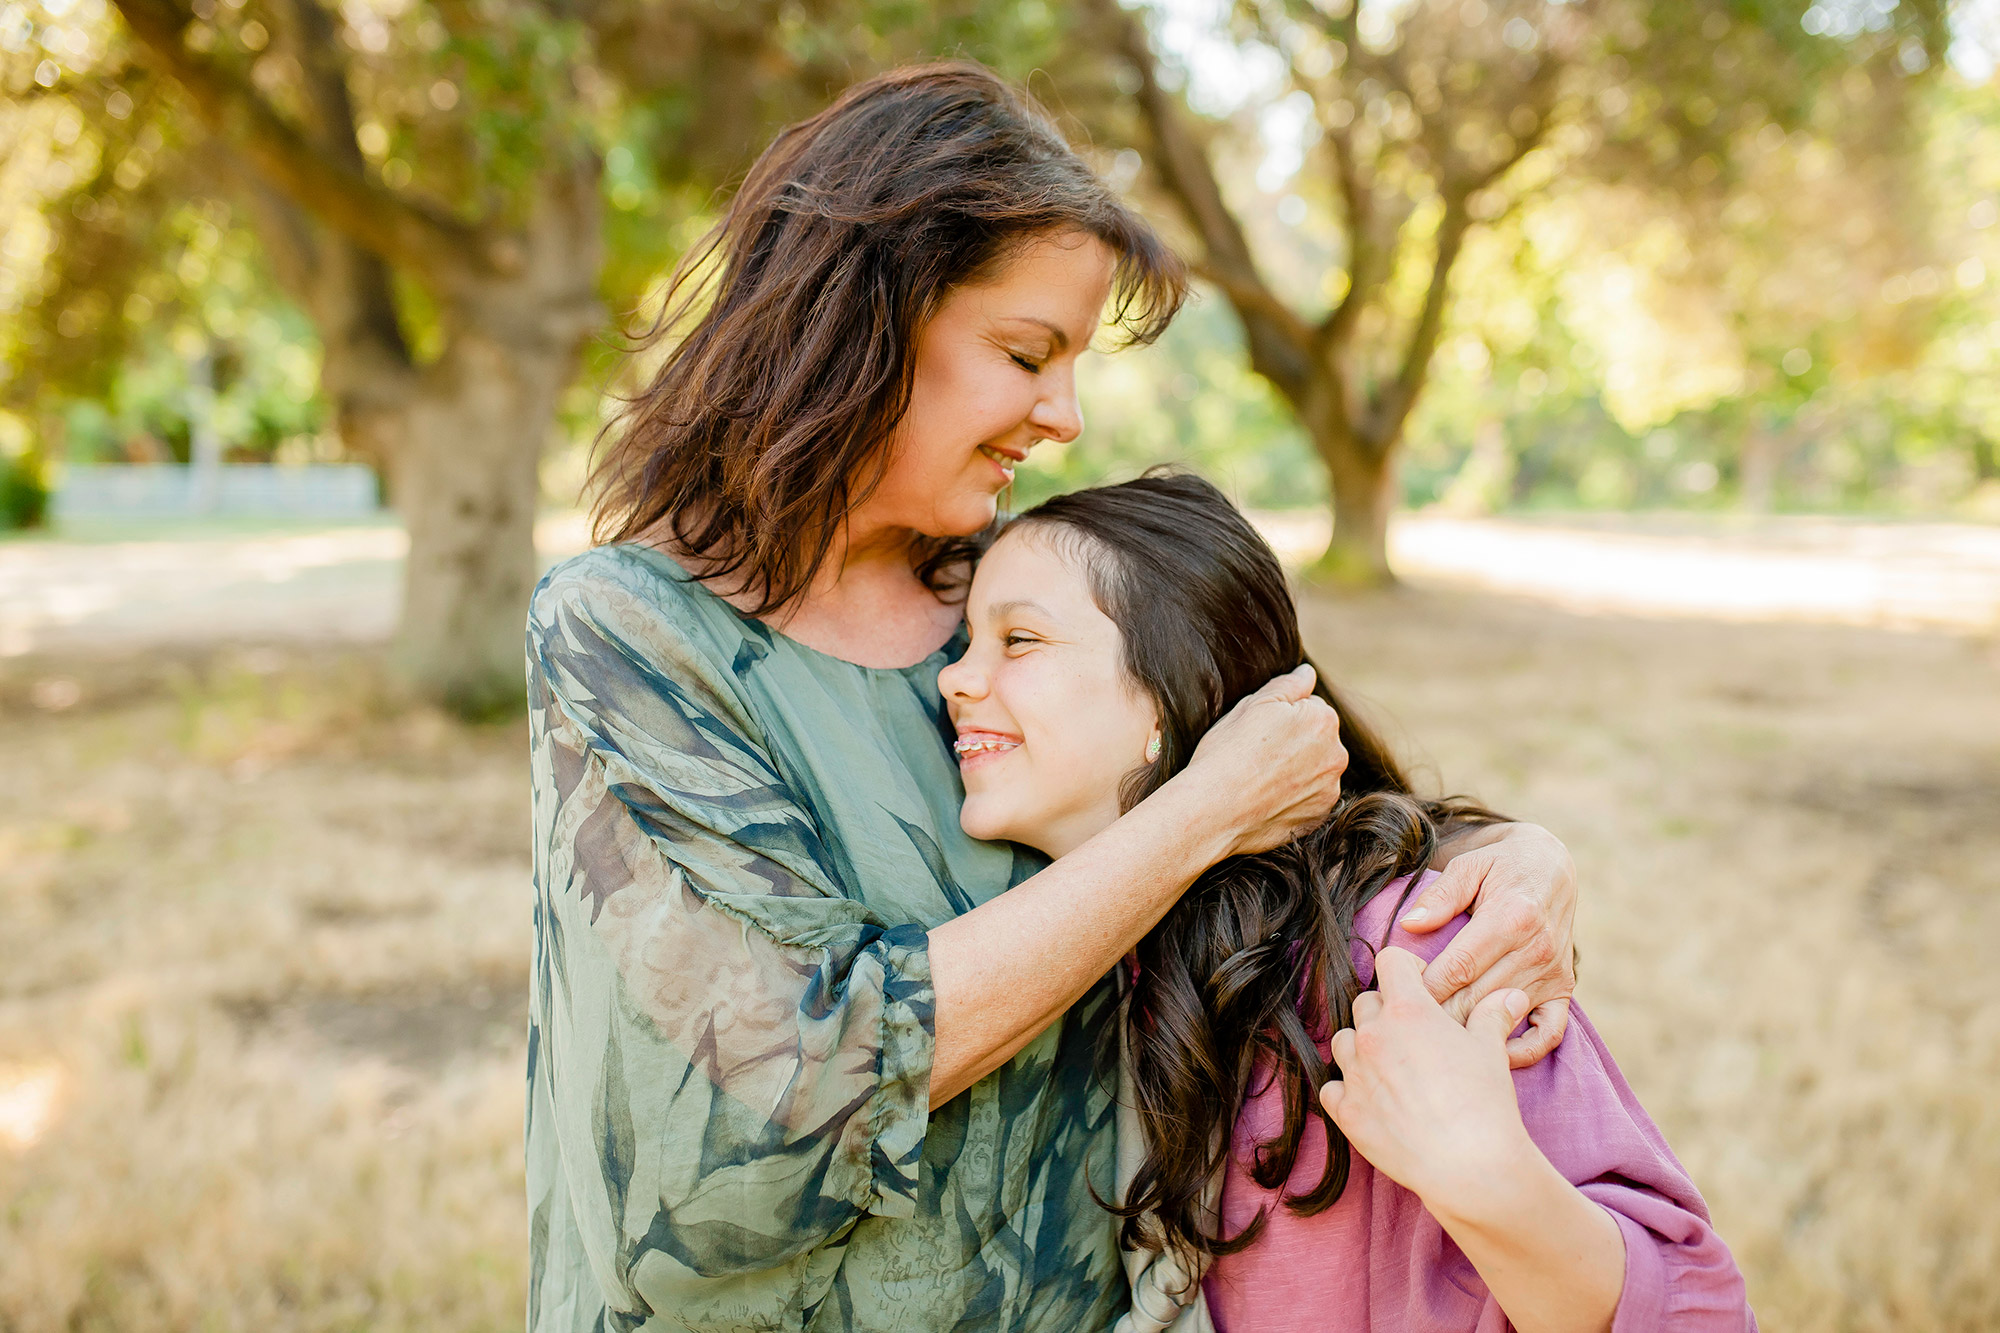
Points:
x=995, y=375
x=1048, y=721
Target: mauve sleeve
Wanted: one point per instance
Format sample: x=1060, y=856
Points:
x=1679, y=1276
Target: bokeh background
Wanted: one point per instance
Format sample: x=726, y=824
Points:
x=1621, y=379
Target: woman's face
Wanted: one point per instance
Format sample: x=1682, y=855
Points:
x=995, y=375
x=1048, y=721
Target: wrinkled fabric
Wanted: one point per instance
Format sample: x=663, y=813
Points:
x=1377, y=1259
x=741, y=845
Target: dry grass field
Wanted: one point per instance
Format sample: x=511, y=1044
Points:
x=263, y=937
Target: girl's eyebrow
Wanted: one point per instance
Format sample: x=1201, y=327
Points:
x=1001, y=610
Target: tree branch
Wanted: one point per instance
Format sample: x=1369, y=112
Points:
x=1391, y=404
x=363, y=309
x=1357, y=203
x=444, y=251
x=1280, y=341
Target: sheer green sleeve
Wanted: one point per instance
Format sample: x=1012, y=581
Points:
x=734, y=1055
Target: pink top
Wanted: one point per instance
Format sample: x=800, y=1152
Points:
x=1378, y=1260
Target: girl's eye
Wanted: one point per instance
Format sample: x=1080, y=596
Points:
x=1025, y=363
x=1013, y=639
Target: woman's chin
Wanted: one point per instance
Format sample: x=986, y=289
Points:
x=964, y=517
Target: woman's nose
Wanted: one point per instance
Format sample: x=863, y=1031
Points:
x=1057, y=415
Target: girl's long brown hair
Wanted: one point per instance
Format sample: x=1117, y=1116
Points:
x=767, y=422
x=1255, y=957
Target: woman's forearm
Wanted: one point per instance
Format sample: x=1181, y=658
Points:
x=1007, y=969
x=1554, y=1260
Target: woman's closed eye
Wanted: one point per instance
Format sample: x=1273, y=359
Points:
x=1027, y=363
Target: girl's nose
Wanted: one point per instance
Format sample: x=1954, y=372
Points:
x=961, y=680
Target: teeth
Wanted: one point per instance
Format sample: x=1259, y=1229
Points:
x=963, y=748
x=997, y=457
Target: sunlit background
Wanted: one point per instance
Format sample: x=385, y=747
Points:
x=1621, y=379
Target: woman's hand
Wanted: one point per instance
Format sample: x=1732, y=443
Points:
x=1521, y=887
x=1430, y=1104
x=1270, y=769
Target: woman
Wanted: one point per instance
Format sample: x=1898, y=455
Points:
x=1110, y=628
x=801, y=1051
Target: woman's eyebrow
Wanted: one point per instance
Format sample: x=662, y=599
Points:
x=1062, y=339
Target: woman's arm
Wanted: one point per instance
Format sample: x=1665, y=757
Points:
x=1007, y=969
x=1431, y=1105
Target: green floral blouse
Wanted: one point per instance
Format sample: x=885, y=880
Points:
x=740, y=846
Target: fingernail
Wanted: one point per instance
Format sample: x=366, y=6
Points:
x=1517, y=1006
x=1416, y=916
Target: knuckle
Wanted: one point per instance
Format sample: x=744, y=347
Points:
x=1455, y=971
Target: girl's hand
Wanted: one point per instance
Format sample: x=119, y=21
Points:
x=1270, y=769
x=1430, y=1104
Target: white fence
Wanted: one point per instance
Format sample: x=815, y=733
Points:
x=169, y=490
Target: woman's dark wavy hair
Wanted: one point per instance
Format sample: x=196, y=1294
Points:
x=1255, y=956
x=767, y=423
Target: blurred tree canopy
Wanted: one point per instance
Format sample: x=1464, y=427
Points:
x=1419, y=125
x=453, y=192
x=1479, y=252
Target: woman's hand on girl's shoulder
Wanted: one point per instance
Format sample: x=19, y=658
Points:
x=1520, y=888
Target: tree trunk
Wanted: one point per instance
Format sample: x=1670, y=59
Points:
x=465, y=486
x=1764, y=451
x=469, y=445
x=456, y=443
x=1363, y=479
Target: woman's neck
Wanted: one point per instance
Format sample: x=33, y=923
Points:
x=865, y=603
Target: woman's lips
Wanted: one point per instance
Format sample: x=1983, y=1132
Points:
x=1004, y=461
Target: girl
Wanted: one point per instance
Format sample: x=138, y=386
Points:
x=1110, y=630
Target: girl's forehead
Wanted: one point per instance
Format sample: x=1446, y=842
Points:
x=1029, y=551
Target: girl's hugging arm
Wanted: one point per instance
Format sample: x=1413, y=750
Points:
x=1554, y=1182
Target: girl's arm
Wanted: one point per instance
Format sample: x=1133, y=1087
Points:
x=1431, y=1105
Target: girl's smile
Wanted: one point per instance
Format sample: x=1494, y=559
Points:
x=1049, y=721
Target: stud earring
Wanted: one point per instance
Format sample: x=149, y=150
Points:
x=1152, y=749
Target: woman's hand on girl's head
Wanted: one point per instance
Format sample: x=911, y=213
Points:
x=1520, y=886
x=1270, y=769
x=1430, y=1104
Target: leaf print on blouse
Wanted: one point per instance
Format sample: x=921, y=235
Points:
x=738, y=843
